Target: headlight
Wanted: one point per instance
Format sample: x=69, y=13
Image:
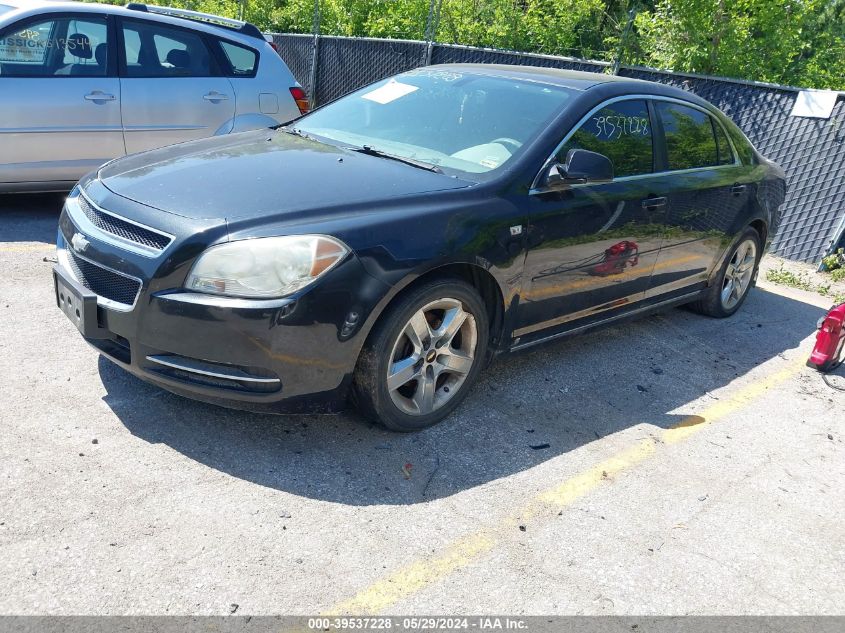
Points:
x=266, y=267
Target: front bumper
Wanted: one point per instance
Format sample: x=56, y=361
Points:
x=295, y=354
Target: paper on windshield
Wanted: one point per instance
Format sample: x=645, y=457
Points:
x=390, y=91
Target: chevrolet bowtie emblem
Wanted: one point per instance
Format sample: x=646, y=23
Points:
x=79, y=242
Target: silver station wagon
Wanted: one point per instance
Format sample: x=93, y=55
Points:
x=81, y=84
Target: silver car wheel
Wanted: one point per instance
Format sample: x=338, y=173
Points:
x=432, y=357
x=738, y=274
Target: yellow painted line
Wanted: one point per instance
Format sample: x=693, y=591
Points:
x=742, y=398
x=417, y=576
x=20, y=248
x=422, y=573
x=573, y=489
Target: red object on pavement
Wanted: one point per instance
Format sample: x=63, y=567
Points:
x=829, y=340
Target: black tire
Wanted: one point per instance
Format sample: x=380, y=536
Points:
x=389, y=343
x=712, y=304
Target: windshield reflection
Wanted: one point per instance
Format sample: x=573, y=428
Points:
x=462, y=122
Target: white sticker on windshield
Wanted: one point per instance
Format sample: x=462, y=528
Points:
x=390, y=91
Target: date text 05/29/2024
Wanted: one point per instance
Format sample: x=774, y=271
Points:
x=481, y=623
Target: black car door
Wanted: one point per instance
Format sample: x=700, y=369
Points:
x=592, y=247
x=706, y=187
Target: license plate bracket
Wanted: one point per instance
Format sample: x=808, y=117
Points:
x=78, y=303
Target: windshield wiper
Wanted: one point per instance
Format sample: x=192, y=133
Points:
x=372, y=151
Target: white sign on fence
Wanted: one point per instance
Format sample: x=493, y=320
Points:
x=816, y=104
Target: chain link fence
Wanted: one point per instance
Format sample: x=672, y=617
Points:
x=812, y=151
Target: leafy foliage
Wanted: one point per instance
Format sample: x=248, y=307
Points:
x=784, y=41
x=834, y=261
x=802, y=281
x=797, y=42
x=788, y=278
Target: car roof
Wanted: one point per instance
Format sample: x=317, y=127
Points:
x=28, y=8
x=574, y=80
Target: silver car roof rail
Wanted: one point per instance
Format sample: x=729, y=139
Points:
x=229, y=23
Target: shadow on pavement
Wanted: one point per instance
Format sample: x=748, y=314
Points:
x=30, y=217
x=563, y=395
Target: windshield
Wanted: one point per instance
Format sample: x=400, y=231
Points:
x=466, y=123
x=5, y=8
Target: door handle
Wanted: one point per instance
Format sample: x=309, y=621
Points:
x=737, y=189
x=97, y=95
x=215, y=96
x=654, y=203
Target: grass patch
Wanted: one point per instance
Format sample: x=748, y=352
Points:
x=802, y=282
x=789, y=278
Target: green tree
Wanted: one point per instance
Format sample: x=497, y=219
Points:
x=782, y=41
x=821, y=63
x=798, y=42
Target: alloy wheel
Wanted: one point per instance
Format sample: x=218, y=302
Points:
x=738, y=274
x=432, y=357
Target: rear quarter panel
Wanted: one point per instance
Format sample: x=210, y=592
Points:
x=265, y=97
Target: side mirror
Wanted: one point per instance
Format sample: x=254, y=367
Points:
x=581, y=167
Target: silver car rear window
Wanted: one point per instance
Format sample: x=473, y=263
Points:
x=241, y=59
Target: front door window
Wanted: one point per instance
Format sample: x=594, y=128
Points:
x=60, y=47
x=622, y=132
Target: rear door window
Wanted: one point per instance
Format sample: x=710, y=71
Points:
x=155, y=50
x=241, y=61
x=726, y=155
x=690, y=141
x=622, y=132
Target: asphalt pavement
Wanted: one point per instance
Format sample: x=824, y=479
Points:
x=672, y=465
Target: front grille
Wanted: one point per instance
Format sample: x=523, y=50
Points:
x=103, y=282
x=126, y=230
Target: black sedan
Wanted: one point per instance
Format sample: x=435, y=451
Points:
x=387, y=246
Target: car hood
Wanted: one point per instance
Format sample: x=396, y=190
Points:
x=256, y=174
